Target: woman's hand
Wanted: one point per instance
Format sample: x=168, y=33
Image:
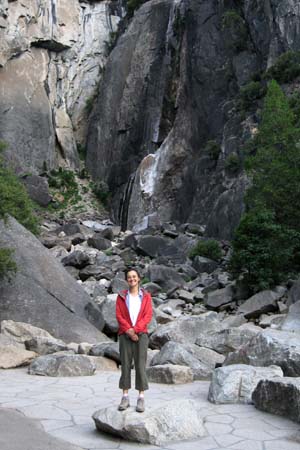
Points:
x=134, y=338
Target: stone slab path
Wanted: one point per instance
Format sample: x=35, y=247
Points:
x=64, y=406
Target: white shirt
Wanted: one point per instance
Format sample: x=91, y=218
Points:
x=134, y=307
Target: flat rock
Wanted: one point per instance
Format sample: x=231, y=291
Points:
x=215, y=299
x=281, y=348
x=45, y=346
x=235, y=384
x=62, y=365
x=202, y=264
x=173, y=421
x=279, y=396
x=185, y=329
x=166, y=277
x=263, y=302
x=103, y=364
x=21, y=332
x=13, y=354
x=108, y=311
x=170, y=374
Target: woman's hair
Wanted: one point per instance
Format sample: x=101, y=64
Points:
x=132, y=269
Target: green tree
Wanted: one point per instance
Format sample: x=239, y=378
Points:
x=267, y=240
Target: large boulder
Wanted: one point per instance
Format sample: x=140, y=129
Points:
x=235, y=384
x=43, y=293
x=108, y=312
x=270, y=347
x=221, y=297
x=13, y=354
x=45, y=346
x=263, y=302
x=229, y=339
x=202, y=264
x=170, y=374
x=279, y=396
x=22, y=332
x=292, y=320
x=108, y=349
x=173, y=421
x=178, y=354
x=166, y=277
x=185, y=329
x=62, y=365
x=294, y=292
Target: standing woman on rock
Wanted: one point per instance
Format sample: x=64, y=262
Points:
x=134, y=313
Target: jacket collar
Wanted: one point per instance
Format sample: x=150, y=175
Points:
x=124, y=294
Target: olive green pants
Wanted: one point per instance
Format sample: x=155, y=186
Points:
x=136, y=351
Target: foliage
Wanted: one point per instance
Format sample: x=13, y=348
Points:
x=250, y=93
x=65, y=188
x=7, y=265
x=110, y=44
x=133, y=5
x=213, y=149
x=286, y=68
x=233, y=163
x=101, y=190
x=210, y=249
x=265, y=252
x=14, y=199
x=81, y=149
x=236, y=32
x=266, y=247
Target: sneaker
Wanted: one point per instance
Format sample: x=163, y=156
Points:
x=124, y=403
x=140, y=406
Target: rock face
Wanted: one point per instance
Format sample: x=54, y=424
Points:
x=149, y=131
x=43, y=294
x=62, y=366
x=281, y=348
x=174, y=421
x=235, y=384
x=41, y=109
x=292, y=320
x=279, y=396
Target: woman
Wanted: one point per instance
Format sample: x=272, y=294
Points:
x=133, y=312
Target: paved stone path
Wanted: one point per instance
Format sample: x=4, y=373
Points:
x=64, y=407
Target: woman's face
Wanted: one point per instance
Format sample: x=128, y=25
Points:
x=133, y=279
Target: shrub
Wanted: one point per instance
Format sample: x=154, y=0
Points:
x=213, y=149
x=210, y=249
x=236, y=32
x=14, y=199
x=233, y=163
x=286, y=68
x=265, y=252
x=133, y=5
x=250, y=93
x=101, y=190
x=7, y=265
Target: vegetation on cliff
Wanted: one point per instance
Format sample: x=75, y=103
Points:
x=14, y=201
x=266, y=248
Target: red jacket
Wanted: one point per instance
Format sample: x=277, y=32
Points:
x=123, y=316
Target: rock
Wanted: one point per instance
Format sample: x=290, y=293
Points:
x=273, y=320
x=188, y=297
x=292, y=320
x=71, y=228
x=21, y=332
x=108, y=349
x=236, y=383
x=118, y=284
x=84, y=348
x=153, y=288
x=177, y=354
x=103, y=364
x=166, y=277
x=150, y=356
x=294, y=293
x=76, y=259
x=202, y=264
x=38, y=189
x=281, y=348
x=13, y=354
x=108, y=233
x=99, y=242
x=155, y=246
x=185, y=329
x=162, y=317
x=45, y=346
x=206, y=356
x=279, y=396
x=215, y=299
x=234, y=320
x=170, y=374
x=62, y=366
x=108, y=311
x=43, y=293
x=173, y=421
x=93, y=270
x=77, y=238
x=150, y=222
x=263, y=302
x=229, y=339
